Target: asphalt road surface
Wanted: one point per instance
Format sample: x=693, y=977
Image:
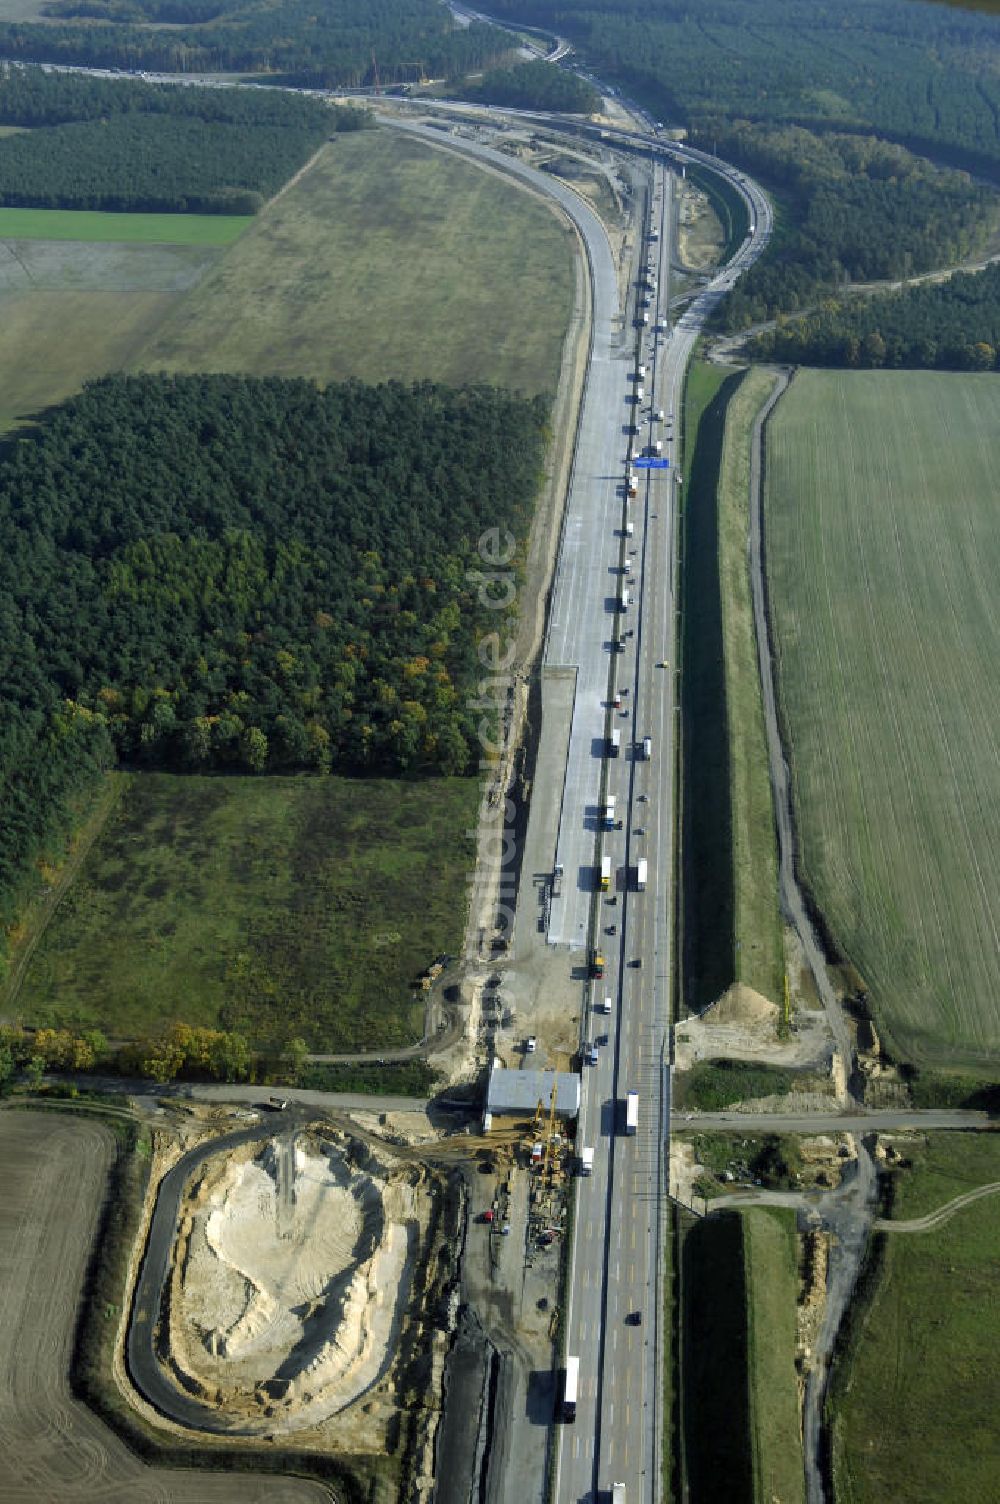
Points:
x=614, y=1307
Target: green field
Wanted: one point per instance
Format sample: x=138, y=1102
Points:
x=387, y=260
x=915, y=1400
x=280, y=907
x=770, y=1262
x=732, y=923
x=139, y=229
x=883, y=548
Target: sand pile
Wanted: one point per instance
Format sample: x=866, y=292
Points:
x=292, y=1267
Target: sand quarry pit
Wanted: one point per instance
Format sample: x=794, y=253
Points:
x=292, y=1269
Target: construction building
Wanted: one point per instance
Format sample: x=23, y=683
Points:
x=518, y=1093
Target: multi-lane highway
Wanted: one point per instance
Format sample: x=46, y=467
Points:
x=612, y=545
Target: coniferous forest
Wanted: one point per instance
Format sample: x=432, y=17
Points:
x=321, y=43
x=93, y=143
x=218, y=572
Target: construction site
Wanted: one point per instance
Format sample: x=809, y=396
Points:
x=305, y=1279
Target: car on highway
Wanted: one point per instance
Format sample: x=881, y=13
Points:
x=590, y=1054
x=634, y=1318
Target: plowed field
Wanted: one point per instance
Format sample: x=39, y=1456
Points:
x=52, y=1448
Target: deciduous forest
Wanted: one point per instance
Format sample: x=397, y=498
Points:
x=800, y=91
x=537, y=86
x=859, y=210
x=951, y=326
x=216, y=572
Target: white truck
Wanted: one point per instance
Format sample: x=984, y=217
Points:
x=586, y=1161
x=632, y=1112
x=608, y=810
x=641, y=871
x=647, y=747
x=614, y=743
x=571, y=1383
x=640, y=374
x=605, y=873
x=630, y=529
x=617, y=1493
x=624, y=598
x=604, y=1006
x=657, y=446
x=640, y=393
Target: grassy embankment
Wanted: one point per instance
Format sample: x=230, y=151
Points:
x=280, y=907
x=883, y=553
x=732, y=928
x=770, y=1258
x=916, y=1391
x=740, y=1418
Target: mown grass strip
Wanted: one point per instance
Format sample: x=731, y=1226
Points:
x=139, y=229
x=732, y=927
x=758, y=958
x=770, y=1269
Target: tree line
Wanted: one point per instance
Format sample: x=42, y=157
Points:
x=858, y=210
x=216, y=572
x=299, y=42
x=952, y=326
x=101, y=144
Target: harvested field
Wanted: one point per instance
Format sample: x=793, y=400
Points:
x=53, y=342
x=51, y=1447
x=387, y=260
x=883, y=551
x=71, y=311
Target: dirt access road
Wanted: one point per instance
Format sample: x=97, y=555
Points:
x=53, y=1177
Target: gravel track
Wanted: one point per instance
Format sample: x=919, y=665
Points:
x=51, y=1447
x=942, y=1214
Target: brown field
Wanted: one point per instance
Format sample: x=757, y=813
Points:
x=51, y=1447
x=387, y=260
x=53, y=342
